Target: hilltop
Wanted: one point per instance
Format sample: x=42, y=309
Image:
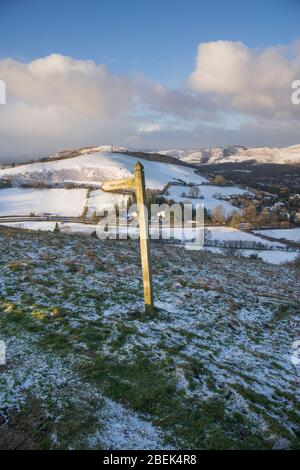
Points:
x=74, y=179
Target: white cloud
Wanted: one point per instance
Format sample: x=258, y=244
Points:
x=255, y=81
x=149, y=128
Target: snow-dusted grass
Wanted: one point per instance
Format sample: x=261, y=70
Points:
x=210, y=196
x=211, y=369
x=57, y=201
x=101, y=166
x=292, y=234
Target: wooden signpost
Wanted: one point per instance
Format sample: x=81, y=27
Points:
x=137, y=183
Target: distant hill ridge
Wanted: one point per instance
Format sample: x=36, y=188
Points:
x=236, y=154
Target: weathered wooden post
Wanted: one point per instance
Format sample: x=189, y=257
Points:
x=137, y=183
x=140, y=189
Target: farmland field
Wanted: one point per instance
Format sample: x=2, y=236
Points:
x=57, y=201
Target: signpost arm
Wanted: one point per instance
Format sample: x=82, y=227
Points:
x=144, y=236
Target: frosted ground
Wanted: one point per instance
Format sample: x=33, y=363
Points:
x=86, y=369
x=56, y=201
x=230, y=233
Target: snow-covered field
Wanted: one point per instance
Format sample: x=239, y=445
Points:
x=275, y=254
x=238, y=154
x=217, y=233
x=212, y=368
x=100, y=201
x=100, y=166
x=292, y=234
x=269, y=256
x=48, y=226
x=96, y=168
x=210, y=196
x=57, y=201
x=32, y=225
x=278, y=257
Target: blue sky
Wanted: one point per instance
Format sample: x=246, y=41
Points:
x=164, y=74
x=157, y=37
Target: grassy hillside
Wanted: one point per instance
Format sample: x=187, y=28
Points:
x=86, y=368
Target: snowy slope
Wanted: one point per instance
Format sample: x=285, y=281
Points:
x=99, y=166
x=237, y=154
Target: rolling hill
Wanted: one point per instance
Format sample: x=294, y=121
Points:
x=49, y=182
x=87, y=369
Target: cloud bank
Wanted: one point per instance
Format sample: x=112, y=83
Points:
x=254, y=81
x=235, y=95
